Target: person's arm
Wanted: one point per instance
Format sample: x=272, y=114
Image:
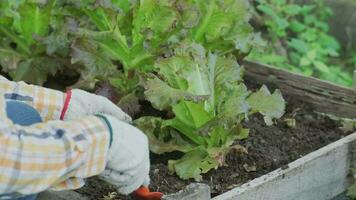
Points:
x=49, y=103
x=80, y=152
x=54, y=154
x=54, y=105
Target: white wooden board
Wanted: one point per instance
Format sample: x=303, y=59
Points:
x=320, y=175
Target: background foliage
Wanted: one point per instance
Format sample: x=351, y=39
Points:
x=297, y=39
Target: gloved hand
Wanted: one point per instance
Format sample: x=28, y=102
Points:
x=128, y=157
x=83, y=103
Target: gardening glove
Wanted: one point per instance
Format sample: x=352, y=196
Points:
x=128, y=157
x=82, y=103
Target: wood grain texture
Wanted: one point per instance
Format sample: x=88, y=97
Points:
x=323, y=96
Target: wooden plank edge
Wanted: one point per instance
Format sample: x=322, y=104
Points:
x=296, y=165
x=323, y=96
x=61, y=195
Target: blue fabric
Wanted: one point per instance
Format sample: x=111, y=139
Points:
x=22, y=114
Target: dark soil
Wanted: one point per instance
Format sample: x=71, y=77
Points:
x=269, y=147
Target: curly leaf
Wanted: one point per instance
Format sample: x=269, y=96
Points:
x=192, y=164
x=162, y=96
x=232, y=101
x=10, y=58
x=220, y=22
x=35, y=70
x=35, y=20
x=152, y=20
x=271, y=106
x=97, y=64
x=184, y=73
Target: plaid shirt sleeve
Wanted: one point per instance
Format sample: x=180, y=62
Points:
x=52, y=155
x=47, y=102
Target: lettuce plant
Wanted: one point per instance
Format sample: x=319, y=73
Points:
x=33, y=40
x=206, y=94
x=137, y=33
x=180, y=55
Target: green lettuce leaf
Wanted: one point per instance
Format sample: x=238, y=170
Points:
x=271, y=106
x=26, y=32
x=210, y=124
x=189, y=117
x=35, y=20
x=193, y=164
x=219, y=27
x=162, y=139
x=162, y=96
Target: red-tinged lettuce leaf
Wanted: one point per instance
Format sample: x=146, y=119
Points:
x=9, y=58
x=28, y=30
x=59, y=40
x=35, y=70
x=193, y=164
x=130, y=104
x=97, y=64
x=105, y=89
x=271, y=106
x=139, y=30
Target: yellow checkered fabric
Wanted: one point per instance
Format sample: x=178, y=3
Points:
x=55, y=154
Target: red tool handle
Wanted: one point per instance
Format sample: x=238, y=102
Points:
x=143, y=193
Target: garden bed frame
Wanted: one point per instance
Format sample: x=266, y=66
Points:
x=322, y=174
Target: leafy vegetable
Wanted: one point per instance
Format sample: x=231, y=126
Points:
x=181, y=56
x=298, y=39
x=208, y=125
x=26, y=37
x=136, y=34
x=270, y=107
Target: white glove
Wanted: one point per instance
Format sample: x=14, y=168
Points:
x=84, y=103
x=128, y=157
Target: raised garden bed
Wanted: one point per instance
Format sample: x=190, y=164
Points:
x=284, y=161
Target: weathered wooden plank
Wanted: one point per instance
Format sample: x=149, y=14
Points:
x=61, y=195
x=194, y=191
x=321, y=175
x=321, y=95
